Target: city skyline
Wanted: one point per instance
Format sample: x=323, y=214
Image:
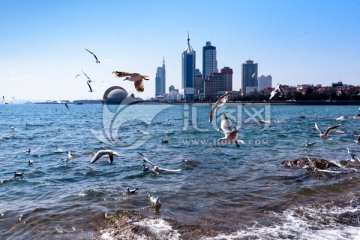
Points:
x=299, y=42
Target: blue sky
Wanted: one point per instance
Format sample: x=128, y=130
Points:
x=42, y=42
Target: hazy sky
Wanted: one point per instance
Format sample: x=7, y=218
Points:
x=42, y=42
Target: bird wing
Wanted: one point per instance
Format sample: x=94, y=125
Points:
x=212, y=111
x=66, y=106
x=280, y=89
x=92, y=54
x=139, y=85
x=169, y=170
x=146, y=159
x=122, y=74
x=233, y=134
x=330, y=128
x=272, y=94
x=318, y=128
x=225, y=125
x=96, y=157
x=89, y=86
x=111, y=158
x=86, y=75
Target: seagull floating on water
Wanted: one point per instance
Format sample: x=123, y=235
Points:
x=18, y=174
x=145, y=168
x=230, y=134
x=278, y=89
x=137, y=78
x=101, y=153
x=96, y=59
x=131, y=191
x=354, y=160
x=31, y=162
x=220, y=102
x=307, y=144
x=157, y=169
x=155, y=202
x=324, y=135
x=164, y=141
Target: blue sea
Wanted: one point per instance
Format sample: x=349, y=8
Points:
x=221, y=192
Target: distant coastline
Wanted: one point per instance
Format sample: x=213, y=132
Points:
x=354, y=103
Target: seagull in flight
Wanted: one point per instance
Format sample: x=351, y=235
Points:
x=137, y=78
x=157, y=169
x=96, y=59
x=324, y=135
x=220, y=102
x=230, y=134
x=278, y=89
x=101, y=153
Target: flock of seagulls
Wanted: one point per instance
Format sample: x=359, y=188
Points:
x=137, y=78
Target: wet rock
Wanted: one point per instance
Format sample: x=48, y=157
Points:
x=304, y=162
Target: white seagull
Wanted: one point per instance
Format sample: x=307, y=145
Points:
x=101, y=153
x=324, y=135
x=155, y=202
x=137, y=78
x=96, y=59
x=230, y=134
x=354, y=160
x=278, y=89
x=157, y=169
x=220, y=102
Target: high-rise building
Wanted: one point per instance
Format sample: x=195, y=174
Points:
x=264, y=82
x=249, y=77
x=209, y=60
x=160, y=80
x=218, y=83
x=199, y=85
x=188, y=72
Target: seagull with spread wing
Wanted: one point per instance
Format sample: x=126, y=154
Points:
x=100, y=153
x=277, y=90
x=230, y=134
x=96, y=59
x=137, y=78
x=157, y=169
x=220, y=102
x=324, y=135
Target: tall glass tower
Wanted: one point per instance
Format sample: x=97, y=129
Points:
x=209, y=60
x=160, y=80
x=249, y=77
x=188, y=72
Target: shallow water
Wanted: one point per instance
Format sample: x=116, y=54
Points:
x=222, y=192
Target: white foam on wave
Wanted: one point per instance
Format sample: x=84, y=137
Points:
x=155, y=228
x=302, y=223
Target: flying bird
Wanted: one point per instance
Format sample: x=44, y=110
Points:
x=101, y=153
x=230, y=134
x=324, y=135
x=220, y=102
x=66, y=106
x=96, y=59
x=157, y=169
x=137, y=78
x=77, y=75
x=278, y=89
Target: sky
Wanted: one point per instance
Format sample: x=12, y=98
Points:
x=42, y=42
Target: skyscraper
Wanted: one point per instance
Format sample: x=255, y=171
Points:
x=209, y=60
x=188, y=72
x=264, y=82
x=160, y=80
x=249, y=77
x=218, y=83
